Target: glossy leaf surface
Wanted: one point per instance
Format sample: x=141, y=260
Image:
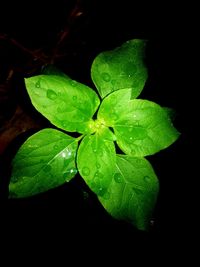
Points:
x=121, y=68
x=133, y=192
x=67, y=104
x=46, y=160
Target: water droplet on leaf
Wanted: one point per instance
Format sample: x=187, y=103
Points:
x=66, y=176
x=106, y=196
x=55, y=147
x=100, y=152
x=73, y=170
x=98, y=175
x=118, y=177
x=62, y=108
x=105, y=76
x=147, y=178
x=114, y=116
x=74, y=97
x=14, y=179
x=137, y=190
x=63, y=154
x=74, y=83
x=139, y=161
x=100, y=191
x=69, y=174
x=86, y=171
x=98, y=165
x=51, y=94
x=37, y=84
x=69, y=153
x=64, y=123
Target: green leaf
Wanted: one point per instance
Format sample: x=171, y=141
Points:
x=96, y=161
x=133, y=191
x=46, y=160
x=67, y=104
x=141, y=127
x=121, y=68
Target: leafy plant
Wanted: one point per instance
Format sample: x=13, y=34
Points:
x=125, y=184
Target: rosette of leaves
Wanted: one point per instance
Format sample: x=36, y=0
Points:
x=125, y=183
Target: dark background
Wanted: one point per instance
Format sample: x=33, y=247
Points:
x=71, y=213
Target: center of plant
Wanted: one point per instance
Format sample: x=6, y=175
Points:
x=97, y=125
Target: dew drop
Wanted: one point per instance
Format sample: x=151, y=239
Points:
x=66, y=176
x=100, y=152
x=114, y=116
x=63, y=155
x=105, y=76
x=118, y=177
x=100, y=191
x=74, y=97
x=147, y=178
x=98, y=175
x=130, y=129
x=73, y=170
x=85, y=171
x=132, y=152
x=37, y=84
x=62, y=108
x=64, y=123
x=106, y=196
x=81, y=119
x=55, y=147
x=51, y=94
x=98, y=165
x=139, y=161
x=96, y=101
x=69, y=153
x=74, y=83
x=137, y=190
x=14, y=179
x=69, y=174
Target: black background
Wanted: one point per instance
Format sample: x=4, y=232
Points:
x=70, y=218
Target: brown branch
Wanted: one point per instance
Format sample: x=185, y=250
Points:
x=36, y=54
x=39, y=54
x=64, y=34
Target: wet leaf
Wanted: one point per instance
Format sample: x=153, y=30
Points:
x=121, y=68
x=133, y=191
x=67, y=104
x=45, y=161
x=96, y=162
x=141, y=127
